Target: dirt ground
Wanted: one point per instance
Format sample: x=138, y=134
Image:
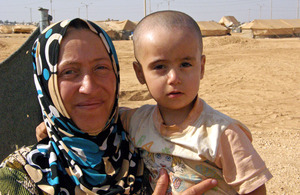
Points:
x=256, y=81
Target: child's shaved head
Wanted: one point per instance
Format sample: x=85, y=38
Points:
x=170, y=20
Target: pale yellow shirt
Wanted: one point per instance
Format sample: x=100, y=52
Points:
x=208, y=144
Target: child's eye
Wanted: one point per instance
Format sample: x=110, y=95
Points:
x=186, y=64
x=158, y=67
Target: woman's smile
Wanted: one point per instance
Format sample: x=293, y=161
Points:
x=90, y=104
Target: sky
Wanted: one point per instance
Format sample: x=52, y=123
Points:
x=134, y=10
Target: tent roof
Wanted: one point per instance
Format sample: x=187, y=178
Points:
x=266, y=24
x=103, y=25
x=229, y=21
x=211, y=28
x=210, y=25
x=121, y=25
x=117, y=25
x=129, y=25
x=273, y=27
x=295, y=23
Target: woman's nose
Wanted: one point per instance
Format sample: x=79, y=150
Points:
x=88, y=84
x=173, y=77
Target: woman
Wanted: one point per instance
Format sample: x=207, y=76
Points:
x=76, y=74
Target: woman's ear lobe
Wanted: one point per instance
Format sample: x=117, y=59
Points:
x=139, y=72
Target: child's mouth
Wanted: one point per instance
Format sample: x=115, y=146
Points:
x=174, y=94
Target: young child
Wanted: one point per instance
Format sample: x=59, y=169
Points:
x=182, y=133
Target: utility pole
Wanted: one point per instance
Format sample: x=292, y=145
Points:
x=298, y=10
x=145, y=13
x=79, y=12
x=51, y=7
x=30, y=9
x=31, y=15
x=169, y=2
x=249, y=14
x=271, y=9
x=260, y=6
x=86, y=7
x=159, y=5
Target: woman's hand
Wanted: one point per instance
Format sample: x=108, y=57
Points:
x=41, y=131
x=198, y=189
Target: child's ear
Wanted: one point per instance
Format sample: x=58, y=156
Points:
x=139, y=72
x=203, y=60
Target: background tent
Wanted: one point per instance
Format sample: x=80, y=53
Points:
x=24, y=29
x=268, y=28
x=20, y=112
x=111, y=33
x=229, y=21
x=6, y=29
x=211, y=28
x=117, y=29
x=124, y=28
x=295, y=24
x=125, y=25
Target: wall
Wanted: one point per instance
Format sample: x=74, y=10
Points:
x=19, y=109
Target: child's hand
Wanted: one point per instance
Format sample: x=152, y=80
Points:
x=200, y=188
x=41, y=131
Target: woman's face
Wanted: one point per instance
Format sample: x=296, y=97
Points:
x=86, y=80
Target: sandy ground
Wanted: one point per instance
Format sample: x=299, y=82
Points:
x=256, y=81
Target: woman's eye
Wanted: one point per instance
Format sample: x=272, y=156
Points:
x=102, y=67
x=185, y=64
x=67, y=72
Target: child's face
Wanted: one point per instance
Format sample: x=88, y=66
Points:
x=172, y=66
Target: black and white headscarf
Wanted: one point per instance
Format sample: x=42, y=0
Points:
x=70, y=161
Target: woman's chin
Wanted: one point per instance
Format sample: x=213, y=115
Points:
x=92, y=131
x=92, y=127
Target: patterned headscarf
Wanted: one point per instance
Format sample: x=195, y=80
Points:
x=70, y=160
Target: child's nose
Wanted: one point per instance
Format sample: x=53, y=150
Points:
x=88, y=84
x=173, y=77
